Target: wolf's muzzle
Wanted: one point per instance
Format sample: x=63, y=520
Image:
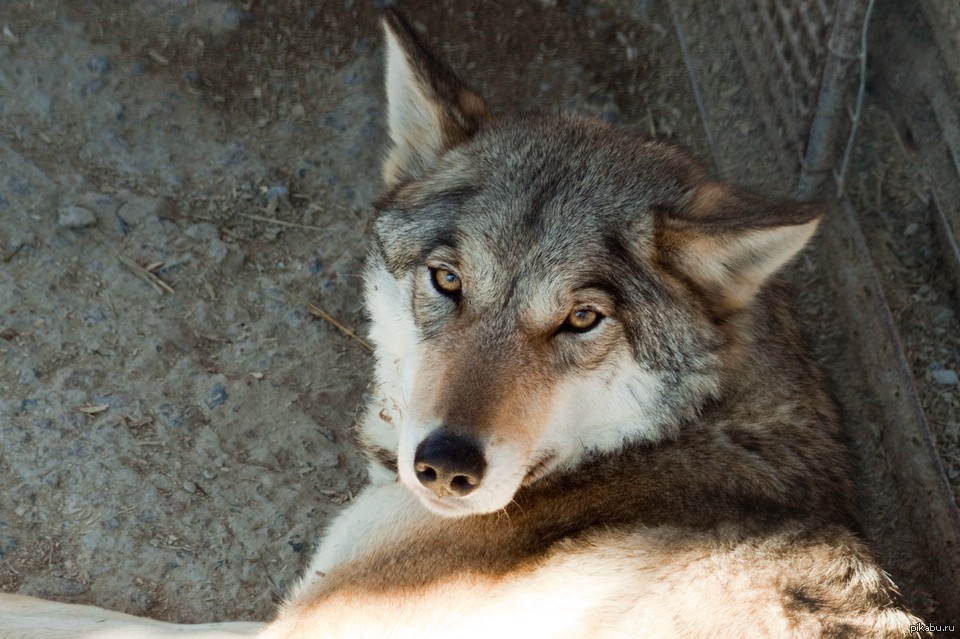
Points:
x=449, y=463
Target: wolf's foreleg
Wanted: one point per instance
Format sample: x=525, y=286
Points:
x=380, y=513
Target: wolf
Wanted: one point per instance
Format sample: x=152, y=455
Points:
x=593, y=412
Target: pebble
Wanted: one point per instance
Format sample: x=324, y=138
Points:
x=277, y=192
x=75, y=217
x=99, y=64
x=193, y=77
x=15, y=243
x=945, y=376
x=327, y=459
x=233, y=260
x=190, y=487
x=218, y=251
x=8, y=36
x=170, y=416
x=297, y=546
x=911, y=229
x=217, y=395
x=8, y=544
x=235, y=17
x=942, y=315
x=141, y=208
x=92, y=88
x=99, y=203
x=203, y=231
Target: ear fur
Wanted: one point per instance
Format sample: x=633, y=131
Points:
x=429, y=109
x=728, y=242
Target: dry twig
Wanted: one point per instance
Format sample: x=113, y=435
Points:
x=145, y=275
x=316, y=311
x=271, y=220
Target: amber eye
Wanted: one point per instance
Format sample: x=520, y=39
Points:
x=582, y=319
x=446, y=281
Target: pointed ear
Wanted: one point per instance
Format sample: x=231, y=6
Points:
x=429, y=109
x=728, y=242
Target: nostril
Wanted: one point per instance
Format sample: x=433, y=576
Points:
x=461, y=484
x=426, y=474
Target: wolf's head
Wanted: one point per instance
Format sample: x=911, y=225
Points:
x=543, y=288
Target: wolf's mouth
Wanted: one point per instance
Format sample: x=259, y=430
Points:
x=540, y=467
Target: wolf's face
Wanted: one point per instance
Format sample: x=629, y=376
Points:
x=536, y=324
x=544, y=288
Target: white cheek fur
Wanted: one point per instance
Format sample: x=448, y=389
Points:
x=601, y=413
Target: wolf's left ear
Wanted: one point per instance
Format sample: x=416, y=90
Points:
x=728, y=241
x=429, y=109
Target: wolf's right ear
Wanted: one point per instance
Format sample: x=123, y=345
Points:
x=429, y=109
x=728, y=242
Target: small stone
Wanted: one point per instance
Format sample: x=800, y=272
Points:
x=140, y=208
x=8, y=36
x=193, y=77
x=8, y=544
x=218, y=250
x=19, y=239
x=15, y=244
x=911, y=229
x=277, y=192
x=297, y=546
x=75, y=217
x=942, y=315
x=327, y=460
x=944, y=376
x=203, y=231
x=99, y=64
x=233, y=260
x=217, y=396
x=190, y=487
x=92, y=87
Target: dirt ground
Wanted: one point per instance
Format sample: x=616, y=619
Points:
x=182, y=185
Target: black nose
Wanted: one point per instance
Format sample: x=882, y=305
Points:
x=449, y=463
